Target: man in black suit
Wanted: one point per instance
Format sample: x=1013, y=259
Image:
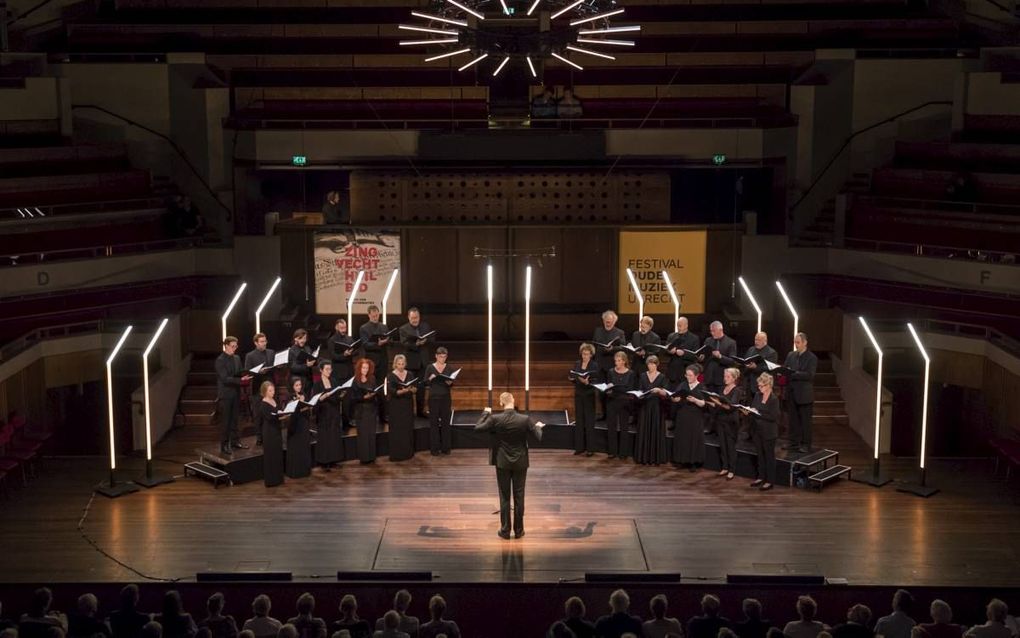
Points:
x=416, y=350
x=509, y=454
x=800, y=393
x=263, y=356
x=761, y=348
x=720, y=356
x=228, y=393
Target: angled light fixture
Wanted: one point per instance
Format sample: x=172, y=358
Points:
x=447, y=55
x=466, y=9
x=532, y=67
x=410, y=43
x=428, y=30
x=425, y=16
x=563, y=59
x=618, y=43
x=637, y=293
x=566, y=9
x=230, y=309
x=921, y=488
x=150, y=479
x=754, y=302
x=672, y=295
x=262, y=306
x=527, y=338
x=386, y=295
x=489, y=295
x=789, y=306
x=876, y=479
x=608, y=30
x=474, y=62
x=350, y=301
x=571, y=47
x=593, y=18
x=534, y=6
x=501, y=65
x=114, y=489
x=506, y=9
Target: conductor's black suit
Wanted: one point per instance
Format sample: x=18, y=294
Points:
x=509, y=454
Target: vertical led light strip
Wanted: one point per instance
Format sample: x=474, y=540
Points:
x=145, y=385
x=265, y=300
x=386, y=295
x=672, y=295
x=109, y=399
x=527, y=334
x=789, y=304
x=878, y=382
x=350, y=302
x=924, y=401
x=747, y=291
x=489, y=290
x=230, y=308
x=637, y=293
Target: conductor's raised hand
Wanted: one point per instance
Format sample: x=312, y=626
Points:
x=539, y=425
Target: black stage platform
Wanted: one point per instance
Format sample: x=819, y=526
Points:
x=792, y=468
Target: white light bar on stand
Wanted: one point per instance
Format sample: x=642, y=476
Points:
x=489, y=295
x=386, y=295
x=672, y=295
x=747, y=291
x=230, y=308
x=789, y=305
x=350, y=302
x=527, y=338
x=876, y=479
x=114, y=489
x=922, y=488
x=150, y=480
x=637, y=293
x=265, y=300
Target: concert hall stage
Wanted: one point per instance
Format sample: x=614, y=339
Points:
x=583, y=515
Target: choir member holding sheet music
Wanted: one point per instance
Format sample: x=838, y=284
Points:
x=261, y=358
x=439, y=378
x=584, y=373
x=375, y=337
x=639, y=342
x=269, y=424
x=688, y=421
x=619, y=381
x=721, y=350
x=727, y=419
x=764, y=411
x=650, y=443
x=365, y=394
x=402, y=386
x=417, y=338
x=299, y=436
x=328, y=439
x=607, y=339
x=300, y=358
x=229, y=378
x=680, y=345
x=800, y=367
x=754, y=360
x=342, y=348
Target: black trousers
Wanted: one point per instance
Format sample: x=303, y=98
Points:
x=766, y=449
x=228, y=420
x=728, y=431
x=440, y=430
x=511, y=482
x=584, y=423
x=800, y=422
x=617, y=426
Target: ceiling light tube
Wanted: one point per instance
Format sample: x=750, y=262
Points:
x=600, y=16
x=587, y=52
x=474, y=62
x=501, y=65
x=408, y=43
x=466, y=9
x=608, y=30
x=532, y=67
x=618, y=43
x=425, y=16
x=447, y=55
x=565, y=9
x=428, y=30
x=563, y=59
x=533, y=7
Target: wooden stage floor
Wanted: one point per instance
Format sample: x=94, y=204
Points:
x=583, y=514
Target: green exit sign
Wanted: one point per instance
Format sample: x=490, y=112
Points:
x=299, y=160
x=718, y=159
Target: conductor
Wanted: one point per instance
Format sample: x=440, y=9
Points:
x=510, y=456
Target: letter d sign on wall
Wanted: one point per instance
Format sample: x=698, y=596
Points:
x=42, y=278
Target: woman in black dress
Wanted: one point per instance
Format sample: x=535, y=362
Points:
x=688, y=422
x=299, y=435
x=584, y=400
x=727, y=420
x=329, y=438
x=440, y=404
x=366, y=409
x=268, y=425
x=343, y=365
x=400, y=409
x=650, y=444
x=618, y=407
x=765, y=431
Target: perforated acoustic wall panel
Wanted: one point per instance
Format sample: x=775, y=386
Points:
x=519, y=197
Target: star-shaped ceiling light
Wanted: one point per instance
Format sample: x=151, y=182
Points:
x=496, y=33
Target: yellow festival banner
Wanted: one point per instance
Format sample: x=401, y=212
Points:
x=647, y=253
